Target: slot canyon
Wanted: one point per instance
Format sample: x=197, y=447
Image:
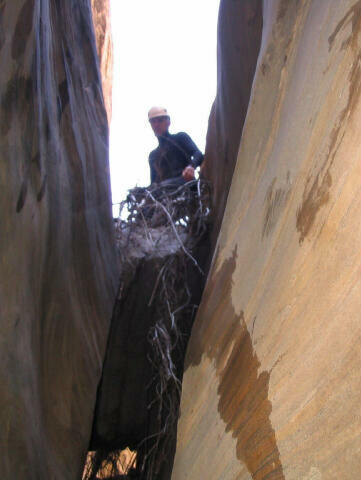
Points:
x=271, y=379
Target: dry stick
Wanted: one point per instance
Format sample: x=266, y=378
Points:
x=147, y=232
x=156, y=285
x=199, y=196
x=175, y=231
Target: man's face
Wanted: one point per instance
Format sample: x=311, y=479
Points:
x=159, y=125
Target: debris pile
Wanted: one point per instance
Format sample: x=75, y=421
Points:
x=162, y=237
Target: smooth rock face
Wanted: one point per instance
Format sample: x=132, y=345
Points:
x=239, y=41
x=58, y=268
x=103, y=37
x=273, y=386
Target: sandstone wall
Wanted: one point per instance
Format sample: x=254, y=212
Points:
x=272, y=387
x=239, y=40
x=103, y=36
x=58, y=268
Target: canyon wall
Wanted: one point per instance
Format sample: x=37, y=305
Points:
x=239, y=41
x=58, y=265
x=272, y=385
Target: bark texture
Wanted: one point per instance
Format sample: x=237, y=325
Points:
x=58, y=264
x=272, y=385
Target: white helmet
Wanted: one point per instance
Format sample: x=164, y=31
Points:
x=155, y=112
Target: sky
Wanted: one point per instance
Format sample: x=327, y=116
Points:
x=164, y=55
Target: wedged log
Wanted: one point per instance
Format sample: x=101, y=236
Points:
x=58, y=265
x=272, y=387
x=129, y=407
x=103, y=37
x=239, y=41
x=163, y=245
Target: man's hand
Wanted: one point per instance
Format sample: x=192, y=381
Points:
x=188, y=173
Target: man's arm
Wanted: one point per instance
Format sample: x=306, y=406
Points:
x=153, y=173
x=191, y=149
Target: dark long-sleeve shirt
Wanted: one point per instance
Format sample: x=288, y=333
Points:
x=172, y=156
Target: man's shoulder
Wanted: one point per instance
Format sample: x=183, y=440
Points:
x=181, y=137
x=153, y=154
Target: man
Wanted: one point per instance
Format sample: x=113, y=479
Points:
x=176, y=157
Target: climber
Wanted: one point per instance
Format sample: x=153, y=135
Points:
x=173, y=162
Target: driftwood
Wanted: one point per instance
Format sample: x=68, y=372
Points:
x=162, y=240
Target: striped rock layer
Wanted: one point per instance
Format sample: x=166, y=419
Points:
x=58, y=268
